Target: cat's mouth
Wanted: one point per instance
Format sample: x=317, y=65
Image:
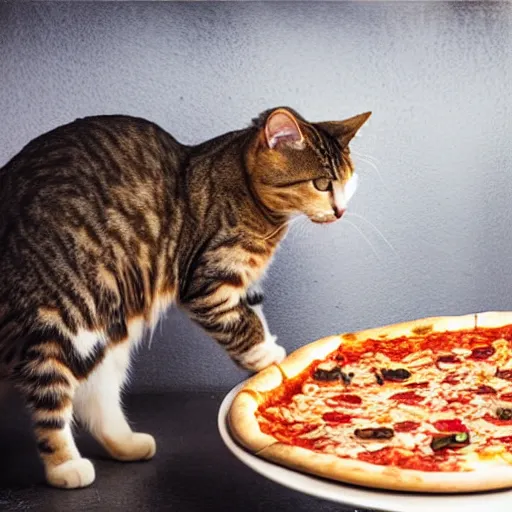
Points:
x=324, y=220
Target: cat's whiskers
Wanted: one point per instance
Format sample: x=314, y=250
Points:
x=364, y=237
x=377, y=230
x=373, y=165
x=364, y=155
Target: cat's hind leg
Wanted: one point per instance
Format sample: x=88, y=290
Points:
x=98, y=407
x=47, y=383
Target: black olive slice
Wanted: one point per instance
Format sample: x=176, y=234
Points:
x=374, y=433
x=397, y=375
x=504, y=413
x=328, y=375
x=450, y=441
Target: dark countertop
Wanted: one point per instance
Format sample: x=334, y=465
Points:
x=192, y=470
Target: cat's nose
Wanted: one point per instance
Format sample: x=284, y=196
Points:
x=338, y=212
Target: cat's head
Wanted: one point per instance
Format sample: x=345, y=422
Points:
x=302, y=167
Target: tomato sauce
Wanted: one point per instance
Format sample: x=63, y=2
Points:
x=496, y=421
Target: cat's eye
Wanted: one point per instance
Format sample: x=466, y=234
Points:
x=322, y=184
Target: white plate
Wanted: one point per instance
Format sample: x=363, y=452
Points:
x=499, y=501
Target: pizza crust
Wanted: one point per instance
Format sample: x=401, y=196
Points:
x=265, y=380
x=242, y=415
x=297, y=361
x=494, y=318
x=387, y=477
x=243, y=423
x=422, y=326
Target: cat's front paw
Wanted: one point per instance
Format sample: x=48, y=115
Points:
x=262, y=355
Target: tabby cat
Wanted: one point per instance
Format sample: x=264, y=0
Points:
x=106, y=221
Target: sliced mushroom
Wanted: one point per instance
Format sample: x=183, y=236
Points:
x=374, y=433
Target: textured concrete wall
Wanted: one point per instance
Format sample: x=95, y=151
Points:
x=437, y=76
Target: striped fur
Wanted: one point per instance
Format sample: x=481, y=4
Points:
x=106, y=221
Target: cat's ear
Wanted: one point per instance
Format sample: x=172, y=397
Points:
x=282, y=129
x=345, y=130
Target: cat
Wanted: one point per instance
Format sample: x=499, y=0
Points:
x=107, y=220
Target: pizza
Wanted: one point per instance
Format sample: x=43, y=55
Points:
x=422, y=406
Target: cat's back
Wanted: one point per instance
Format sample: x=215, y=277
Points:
x=97, y=143
x=102, y=160
x=84, y=184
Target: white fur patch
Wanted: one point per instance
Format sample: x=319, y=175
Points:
x=263, y=354
x=350, y=187
x=135, y=331
x=97, y=401
x=85, y=341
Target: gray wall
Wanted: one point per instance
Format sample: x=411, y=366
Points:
x=437, y=76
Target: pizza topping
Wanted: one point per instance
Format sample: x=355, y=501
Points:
x=448, y=359
x=416, y=385
x=401, y=413
x=454, y=425
x=374, y=433
x=485, y=390
x=504, y=439
x=408, y=397
x=480, y=353
x=347, y=377
x=504, y=413
x=504, y=374
x=495, y=420
x=451, y=378
x=336, y=417
x=326, y=374
x=406, y=426
x=349, y=399
x=396, y=375
x=464, y=352
x=451, y=441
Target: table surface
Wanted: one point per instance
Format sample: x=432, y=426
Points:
x=192, y=469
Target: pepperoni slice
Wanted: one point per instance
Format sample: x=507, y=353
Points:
x=507, y=397
x=504, y=374
x=485, y=390
x=416, y=385
x=504, y=439
x=348, y=399
x=454, y=425
x=481, y=353
x=336, y=417
x=407, y=397
x=406, y=426
x=448, y=359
